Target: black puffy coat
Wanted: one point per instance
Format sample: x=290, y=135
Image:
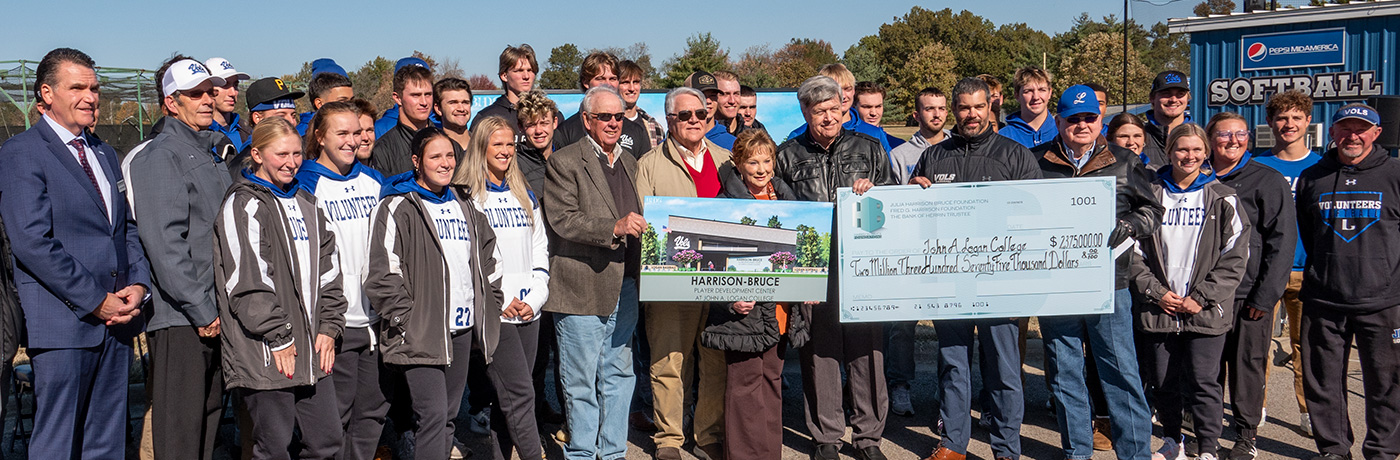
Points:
x=757, y=331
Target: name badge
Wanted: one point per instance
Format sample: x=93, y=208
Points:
x=121, y=186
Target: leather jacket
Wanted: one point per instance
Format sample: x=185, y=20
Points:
x=814, y=172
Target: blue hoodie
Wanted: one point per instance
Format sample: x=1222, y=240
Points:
x=857, y=125
x=407, y=183
x=311, y=173
x=231, y=131
x=1018, y=130
x=1207, y=176
x=289, y=192
x=304, y=123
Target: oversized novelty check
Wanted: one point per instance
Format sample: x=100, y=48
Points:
x=977, y=250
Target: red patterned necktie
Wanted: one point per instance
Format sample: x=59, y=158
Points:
x=87, y=167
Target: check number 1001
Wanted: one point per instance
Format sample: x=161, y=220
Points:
x=1082, y=201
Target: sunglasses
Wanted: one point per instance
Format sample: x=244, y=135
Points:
x=1074, y=120
x=608, y=117
x=196, y=94
x=685, y=115
x=1227, y=135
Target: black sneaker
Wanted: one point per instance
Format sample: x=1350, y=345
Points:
x=826, y=452
x=1244, y=449
x=870, y=453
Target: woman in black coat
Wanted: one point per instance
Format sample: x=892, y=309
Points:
x=754, y=336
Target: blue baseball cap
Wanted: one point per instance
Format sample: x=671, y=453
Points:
x=1358, y=111
x=327, y=65
x=1076, y=100
x=408, y=61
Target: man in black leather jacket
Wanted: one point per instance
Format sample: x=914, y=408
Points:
x=1080, y=151
x=814, y=164
x=976, y=153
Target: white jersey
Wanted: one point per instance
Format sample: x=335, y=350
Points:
x=1182, y=223
x=454, y=234
x=301, y=253
x=347, y=202
x=524, y=248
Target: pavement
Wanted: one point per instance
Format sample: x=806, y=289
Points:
x=910, y=438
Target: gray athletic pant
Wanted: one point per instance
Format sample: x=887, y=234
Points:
x=276, y=414
x=513, y=425
x=435, y=393
x=361, y=399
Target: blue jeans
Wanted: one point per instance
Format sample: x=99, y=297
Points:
x=595, y=368
x=998, y=341
x=1110, y=339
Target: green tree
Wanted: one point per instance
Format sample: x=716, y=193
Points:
x=561, y=71
x=373, y=82
x=747, y=221
x=702, y=52
x=653, y=247
x=640, y=54
x=800, y=59
x=811, y=252
x=980, y=49
x=757, y=68
x=862, y=60
x=1099, y=58
x=931, y=65
x=1209, y=7
x=773, y=222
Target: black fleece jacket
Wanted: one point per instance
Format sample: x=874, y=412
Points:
x=1349, y=218
x=1265, y=196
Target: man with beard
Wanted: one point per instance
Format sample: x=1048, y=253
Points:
x=977, y=154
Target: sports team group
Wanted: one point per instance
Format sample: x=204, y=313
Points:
x=352, y=275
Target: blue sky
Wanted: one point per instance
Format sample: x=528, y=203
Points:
x=273, y=38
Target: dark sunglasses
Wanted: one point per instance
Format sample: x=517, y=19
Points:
x=685, y=115
x=607, y=117
x=196, y=94
x=1074, y=120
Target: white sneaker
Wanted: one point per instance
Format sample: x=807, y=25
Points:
x=900, y=402
x=1170, y=450
x=459, y=451
x=1305, y=422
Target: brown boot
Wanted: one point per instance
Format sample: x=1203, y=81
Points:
x=1101, y=431
x=944, y=454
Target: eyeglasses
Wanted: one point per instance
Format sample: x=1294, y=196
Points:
x=1074, y=120
x=607, y=117
x=685, y=115
x=1227, y=135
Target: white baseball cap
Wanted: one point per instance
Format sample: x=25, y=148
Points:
x=221, y=68
x=186, y=74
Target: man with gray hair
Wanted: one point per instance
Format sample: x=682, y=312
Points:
x=686, y=165
x=595, y=213
x=976, y=153
x=827, y=156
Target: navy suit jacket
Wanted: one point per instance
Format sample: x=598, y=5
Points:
x=67, y=256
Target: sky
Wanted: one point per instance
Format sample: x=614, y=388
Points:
x=266, y=38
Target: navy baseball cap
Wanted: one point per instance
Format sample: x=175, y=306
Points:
x=327, y=65
x=1076, y=100
x=408, y=61
x=1358, y=111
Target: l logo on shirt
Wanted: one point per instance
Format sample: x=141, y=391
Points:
x=1350, y=213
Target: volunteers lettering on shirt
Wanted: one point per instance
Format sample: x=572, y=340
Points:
x=301, y=252
x=522, y=249
x=347, y=202
x=454, y=233
x=1181, y=234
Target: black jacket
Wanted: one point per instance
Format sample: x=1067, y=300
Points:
x=1349, y=218
x=11, y=317
x=1139, y=214
x=634, y=135
x=1266, y=198
x=531, y=162
x=1154, y=145
x=985, y=157
x=815, y=172
x=393, y=154
x=757, y=331
x=500, y=108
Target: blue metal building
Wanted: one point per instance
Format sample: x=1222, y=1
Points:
x=1336, y=53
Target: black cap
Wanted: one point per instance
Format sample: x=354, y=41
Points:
x=1169, y=79
x=702, y=80
x=266, y=91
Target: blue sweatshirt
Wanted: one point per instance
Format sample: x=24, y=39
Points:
x=1291, y=170
x=1018, y=130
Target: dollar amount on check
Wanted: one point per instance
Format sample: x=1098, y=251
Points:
x=976, y=250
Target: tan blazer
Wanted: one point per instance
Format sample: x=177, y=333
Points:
x=662, y=171
x=585, y=267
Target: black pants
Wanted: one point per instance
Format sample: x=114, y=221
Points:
x=513, y=425
x=360, y=398
x=1327, y=335
x=1184, y=368
x=435, y=393
x=859, y=349
x=546, y=359
x=187, y=383
x=1244, y=365
x=276, y=414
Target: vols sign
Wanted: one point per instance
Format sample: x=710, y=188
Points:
x=1309, y=48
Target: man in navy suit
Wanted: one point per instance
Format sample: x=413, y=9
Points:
x=79, y=265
